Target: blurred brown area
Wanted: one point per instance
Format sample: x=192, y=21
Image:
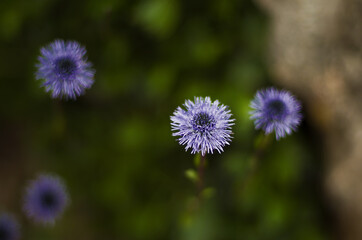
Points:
x=315, y=48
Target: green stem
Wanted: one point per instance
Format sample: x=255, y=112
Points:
x=262, y=144
x=200, y=173
x=259, y=151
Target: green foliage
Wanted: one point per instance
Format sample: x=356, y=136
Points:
x=113, y=146
x=192, y=175
x=158, y=17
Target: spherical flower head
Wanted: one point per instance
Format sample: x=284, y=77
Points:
x=277, y=111
x=204, y=126
x=64, y=69
x=9, y=228
x=45, y=199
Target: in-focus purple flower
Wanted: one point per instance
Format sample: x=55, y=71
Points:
x=204, y=126
x=64, y=69
x=277, y=111
x=45, y=199
x=9, y=228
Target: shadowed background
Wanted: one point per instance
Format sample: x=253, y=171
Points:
x=113, y=146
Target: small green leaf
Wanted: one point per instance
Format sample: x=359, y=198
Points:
x=259, y=140
x=191, y=174
x=197, y=159
x=208, y=192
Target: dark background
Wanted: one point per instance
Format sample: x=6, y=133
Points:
x=113, y=146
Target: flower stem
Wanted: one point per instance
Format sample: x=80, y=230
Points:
x=200, y=173
x=259, y=151
x=262, y=144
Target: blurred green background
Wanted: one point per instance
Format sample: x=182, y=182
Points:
x=113, y=146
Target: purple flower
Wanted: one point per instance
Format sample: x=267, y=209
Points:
x=9, y=228
x=277, y=111
x=204, y=126
x=45, y=199
x=64, y=69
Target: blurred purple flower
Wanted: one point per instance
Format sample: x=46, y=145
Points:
x=204, y=126
x=45, y=199
x=64, y=69
x=9, y=228
x=277, y=111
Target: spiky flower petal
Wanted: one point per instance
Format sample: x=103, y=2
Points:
x=64, y=69
x=277, y=111
x=204, y=126
x=45, y=199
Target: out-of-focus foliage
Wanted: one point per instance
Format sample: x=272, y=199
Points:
x=113, y=146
